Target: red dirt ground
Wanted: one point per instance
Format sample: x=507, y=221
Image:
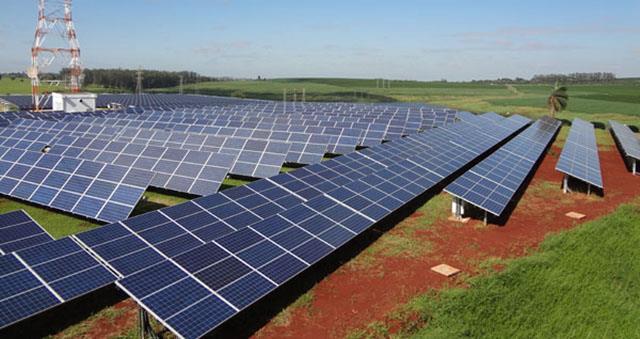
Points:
x=104, y=327
x=352, y=298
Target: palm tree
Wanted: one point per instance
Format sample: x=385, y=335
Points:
x=558, y=100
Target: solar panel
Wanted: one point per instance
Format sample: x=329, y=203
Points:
x=18, y=231
x=260, y=158
x=213, y=281
x=210, y=217
x=492, y=183
x=579, y=157
x=40, y=277
x=187, y=171
x=225, y=276
x=170, y=233
x=91, y=189
x=627, y=140
x=493, y=116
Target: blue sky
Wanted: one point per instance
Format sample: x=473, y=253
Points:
x=423, y=40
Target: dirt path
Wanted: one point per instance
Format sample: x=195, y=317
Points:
x=514, y=90
x=356, y=295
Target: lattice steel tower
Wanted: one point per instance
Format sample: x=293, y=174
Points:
x=55, y=39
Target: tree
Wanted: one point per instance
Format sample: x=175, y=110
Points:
x=558, y=100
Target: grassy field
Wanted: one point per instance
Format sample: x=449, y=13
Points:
x=595, y=102
x=583, y=283
x=619, y=100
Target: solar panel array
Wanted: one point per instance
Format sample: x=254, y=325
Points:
x=203, y=285
x=255, y=158
x=627, y=139
x=186, y=171
x=95, y=190
x=385, y=176
x=18, y=231
x=38, y=278
x=491, y=184
x=579, y=157
x=196, y=264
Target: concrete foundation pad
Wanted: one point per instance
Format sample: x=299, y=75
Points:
x=461, y=220
x=445, y=270
x=575, y=215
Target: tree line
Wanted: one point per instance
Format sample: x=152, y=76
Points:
x=593, y=77
x=127, y=79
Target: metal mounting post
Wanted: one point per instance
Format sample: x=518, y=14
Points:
x=565, y=184
x=485, y=218
x=144, y=326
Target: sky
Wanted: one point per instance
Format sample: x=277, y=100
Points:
x=404, y=39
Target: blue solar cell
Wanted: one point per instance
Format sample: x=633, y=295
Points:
x=312, y=250
x=336, y=236
x=136, y=261
x=27, y=304
x=232, y=268
x=64, y=266
x=247, y=289
x=201, y=257
x=82, y=282
x=260, y=253
x=175, y=297
x=198, y=319
x=178, y=245
x=150, y=280
x=283, y=268
x=291, y=238
x=239, y=240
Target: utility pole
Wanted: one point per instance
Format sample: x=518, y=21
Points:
x=284, y=100
x=54, y=19
x=139, y=81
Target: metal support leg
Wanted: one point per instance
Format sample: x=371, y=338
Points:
x=485, y=218
x=457, y=208
x=633, y=166
x=146, y=331
x=565, y=184
x=142, y=326
x=588, y=189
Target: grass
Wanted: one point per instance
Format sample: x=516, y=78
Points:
x=304, y=302
x=582, y=283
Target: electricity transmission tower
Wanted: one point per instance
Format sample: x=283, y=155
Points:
x=55, y=39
